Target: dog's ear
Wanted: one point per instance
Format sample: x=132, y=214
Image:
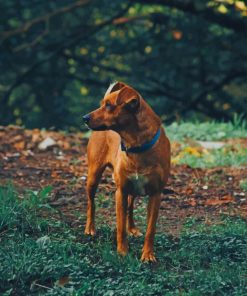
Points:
x=130, y=98
x=114, y=87
x=133, y=104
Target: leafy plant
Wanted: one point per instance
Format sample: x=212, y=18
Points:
x=243, y=184
x=22, y=211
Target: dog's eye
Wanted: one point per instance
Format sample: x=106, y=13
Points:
x=108, y=106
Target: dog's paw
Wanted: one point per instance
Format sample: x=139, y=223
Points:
x=90, y=230
x=134, y=232
x=122, y=250
x=148, y=257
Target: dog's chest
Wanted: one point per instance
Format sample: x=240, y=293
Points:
x=138, y=183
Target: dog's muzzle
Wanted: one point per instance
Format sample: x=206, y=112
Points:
x=86, y=118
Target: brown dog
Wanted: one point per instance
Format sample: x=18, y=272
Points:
x=131, y=140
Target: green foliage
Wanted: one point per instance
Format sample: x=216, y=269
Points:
x=22, y=212
x=243, y=184
x=187, y=59
x=208, y=131
x=191, y=152
x=59, y=260
x=214, y=158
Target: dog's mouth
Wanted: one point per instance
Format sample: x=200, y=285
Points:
x=99, y=128
x=96, y=128
x=90, y=126
x=104, y=127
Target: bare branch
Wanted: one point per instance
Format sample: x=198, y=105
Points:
x=44, y=18
x=37, y=40
x=67, y=44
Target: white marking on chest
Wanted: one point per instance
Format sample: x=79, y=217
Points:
x=138, y=182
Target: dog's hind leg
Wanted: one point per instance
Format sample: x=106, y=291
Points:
x=94, y=175
x=153, y=210
x=131, y=228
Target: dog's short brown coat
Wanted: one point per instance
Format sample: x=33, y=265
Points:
x=124, y=115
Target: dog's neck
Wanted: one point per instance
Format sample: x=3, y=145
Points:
x=142, y=129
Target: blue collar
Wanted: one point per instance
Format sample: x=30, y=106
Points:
x=144, y=147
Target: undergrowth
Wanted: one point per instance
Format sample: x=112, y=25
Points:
x=225, y=156
x=193, y=153
x=208, y=131
x=40, y=254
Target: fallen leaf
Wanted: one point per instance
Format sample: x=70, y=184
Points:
x=189, y=190
x=224, y=200
x=63, y=281
x=36, y=135
x=64, y=144
x=54, y=174
x=192, y=202
x=19, y=145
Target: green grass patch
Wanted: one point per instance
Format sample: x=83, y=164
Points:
x=42, y=255
x=194, y=155
x=214, y=158
x=208, y=131
x=243, y=184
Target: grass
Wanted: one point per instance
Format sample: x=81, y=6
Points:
x=208, y=131
x=202, y=158
x=192, y=154
x=43, y=255
x=243, y=184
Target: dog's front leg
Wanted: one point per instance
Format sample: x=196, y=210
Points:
x=94, y=175
x=152, y=215
x=121, y=211
x=131, y=228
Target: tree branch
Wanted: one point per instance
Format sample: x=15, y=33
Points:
x=214, y=87
x=44, y=18
x=193, y=104
x=237, y=24
x=67, y=44
x=33, y=43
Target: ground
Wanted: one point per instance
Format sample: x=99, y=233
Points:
x=202, y=193
x=201, y=244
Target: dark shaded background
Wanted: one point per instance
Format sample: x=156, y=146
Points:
x=187, y=58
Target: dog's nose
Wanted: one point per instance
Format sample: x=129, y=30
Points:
x=86, y=118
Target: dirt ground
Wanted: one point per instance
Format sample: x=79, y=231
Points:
x=201, y=193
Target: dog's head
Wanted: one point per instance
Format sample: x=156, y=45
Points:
x=118, y=107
